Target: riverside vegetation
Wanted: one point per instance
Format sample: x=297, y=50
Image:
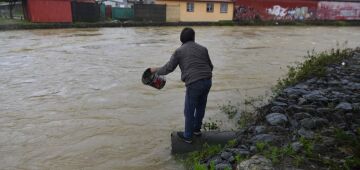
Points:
x=312, y=120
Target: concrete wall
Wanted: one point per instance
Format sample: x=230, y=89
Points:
x=338, y=10
x=199, y=14
x=296, y=10
x=173, y=13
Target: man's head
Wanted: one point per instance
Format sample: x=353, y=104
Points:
x=187, y=34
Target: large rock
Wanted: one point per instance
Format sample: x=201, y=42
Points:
x=295, y=91
x=256, y=162
x=354, y=86
x=223, y=166
x=307, y=134
x=344, y=106
x=301, y=115
x=259, y=129
x=264, y=138
x=277, y=109
x=314, y=123
x=210, y=137
x=277, y=103
x=215, y=159
x=226, y=155
x=315, y=95
x=296, y=146
x=276, y=119
x=239, y=151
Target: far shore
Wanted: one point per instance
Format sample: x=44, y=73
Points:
x=24, y=25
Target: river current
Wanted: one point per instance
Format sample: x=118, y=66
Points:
x=73, y=98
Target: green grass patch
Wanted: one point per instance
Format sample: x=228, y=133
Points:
x=314, y=65
x=5, y=21
x=229, y=109
x=193, y=159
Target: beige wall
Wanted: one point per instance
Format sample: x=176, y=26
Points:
x=173, y=12
x=199, y=14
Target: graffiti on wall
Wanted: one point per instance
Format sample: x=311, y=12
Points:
x=298, y=13
x=296, y=10
x=245, y=13
x=338, y=10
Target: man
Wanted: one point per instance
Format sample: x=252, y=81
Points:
x=196, y=71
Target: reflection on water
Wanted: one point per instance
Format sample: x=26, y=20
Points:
x=73, y=98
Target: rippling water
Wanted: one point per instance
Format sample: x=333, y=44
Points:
x=72, y=98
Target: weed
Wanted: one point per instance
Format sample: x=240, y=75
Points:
x=227, y=168
x=314, y=65
x=245, y=119
x=207, y=126
x=239, y=158
x=260, y=146
x=352, y=163
x=195, y=157
x=212, y=165
x=199, y=166
x=308, y=146
x=298, y=160
x=231, y=143
x=229, y=109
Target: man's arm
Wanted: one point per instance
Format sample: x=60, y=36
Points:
x=208, y=57
x=168, y=67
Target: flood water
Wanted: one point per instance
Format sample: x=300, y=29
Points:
x=73, y=98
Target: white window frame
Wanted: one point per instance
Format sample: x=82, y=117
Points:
x=223, y=8
x=190, y=7
x=210, y=7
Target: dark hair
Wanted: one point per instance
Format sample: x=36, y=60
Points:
x=187, y=34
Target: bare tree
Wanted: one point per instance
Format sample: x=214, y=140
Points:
x=12, y=4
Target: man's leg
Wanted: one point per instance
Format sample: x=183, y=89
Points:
x=190, y=104
x=200, y=107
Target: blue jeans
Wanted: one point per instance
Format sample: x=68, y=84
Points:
x=195, y=104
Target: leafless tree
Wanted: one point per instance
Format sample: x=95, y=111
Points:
x=12, y=4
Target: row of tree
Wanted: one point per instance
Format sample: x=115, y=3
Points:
x=12, y=4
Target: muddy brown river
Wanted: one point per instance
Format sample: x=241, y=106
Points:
x=73, y=99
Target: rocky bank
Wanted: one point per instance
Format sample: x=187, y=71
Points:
x=314, y=124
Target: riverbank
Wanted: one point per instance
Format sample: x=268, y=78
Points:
x=24, y=25
x=312, y=122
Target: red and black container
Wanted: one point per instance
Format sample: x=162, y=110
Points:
x=153, y=80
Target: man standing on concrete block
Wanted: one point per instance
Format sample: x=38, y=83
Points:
x=196, y=71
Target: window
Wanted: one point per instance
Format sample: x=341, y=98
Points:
x=223, y=8
x=190, y=7
x=209, y=7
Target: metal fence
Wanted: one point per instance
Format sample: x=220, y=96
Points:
x=150, y=12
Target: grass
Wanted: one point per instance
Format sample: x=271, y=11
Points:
x=314, y=65
x=193, y=159
x=208, y=126
x=229, y=109
x=344, y=141
x=5, y=21
x=351, y=145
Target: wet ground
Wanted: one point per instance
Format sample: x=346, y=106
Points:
x=73, y=98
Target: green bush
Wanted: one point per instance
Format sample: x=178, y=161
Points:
x=314, y=65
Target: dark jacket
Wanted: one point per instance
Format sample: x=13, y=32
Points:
x=194, y=62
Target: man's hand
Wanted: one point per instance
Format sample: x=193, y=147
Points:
x=153, y=69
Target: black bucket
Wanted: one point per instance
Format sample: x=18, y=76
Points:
x=153, y=80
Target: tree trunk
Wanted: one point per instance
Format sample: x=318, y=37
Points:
x=11, y=7
x=211, y=137
x=24, y=8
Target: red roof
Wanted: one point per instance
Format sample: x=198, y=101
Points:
x=228, y=1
